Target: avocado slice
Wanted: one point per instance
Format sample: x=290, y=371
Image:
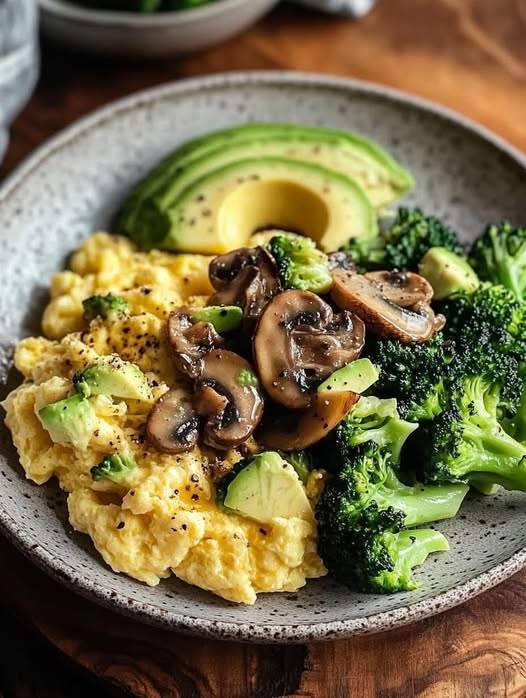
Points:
x=220, y=211
x=355, y=377
x=266, y=488
x=224, y=318
x=345, y=152
x=70, y=421
x=447, y=272
x=110, y=375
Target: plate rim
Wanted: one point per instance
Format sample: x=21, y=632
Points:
x=232, y=630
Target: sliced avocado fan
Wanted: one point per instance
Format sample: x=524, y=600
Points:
x=345, y=152
x=221, y=210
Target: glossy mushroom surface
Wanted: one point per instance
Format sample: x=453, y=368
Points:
x=299, y=341
x=191, y=342
x=360, y=295
x=173, y=423
x=295, y=431
x=405, y=288
x=232, y=407
x=246, y=277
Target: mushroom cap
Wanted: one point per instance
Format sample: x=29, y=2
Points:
x=381, y=315
x=246, y=277
x=173, y=424
x=190, y=342
x=299, y=342
x=293, y=431
x=232, y=410
x=405, y=288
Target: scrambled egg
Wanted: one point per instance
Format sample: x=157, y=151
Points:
x=164, y=519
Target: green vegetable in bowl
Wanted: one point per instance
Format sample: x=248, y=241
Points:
x=143, y=6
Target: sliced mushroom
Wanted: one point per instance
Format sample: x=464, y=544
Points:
x=299, y=342
x=246, y=277
x=232, y=408
x=190, y=343
x=404, y=288
x=240, y=290
x=173, y=424
x=362, y=296
x=293, y=432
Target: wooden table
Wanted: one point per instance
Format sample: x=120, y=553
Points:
x=467, y=54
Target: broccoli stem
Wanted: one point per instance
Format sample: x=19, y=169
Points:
x=498, y=457
x=414, y=547
x=424, y=504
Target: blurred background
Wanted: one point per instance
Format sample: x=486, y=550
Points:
x=467, y=54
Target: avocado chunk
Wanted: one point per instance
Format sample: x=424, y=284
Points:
x=220, y=211
x=110, y=375
x=70, y=421
x=266, y=488
x=355, y=377
x=224, y=318
x=447, y=272
x=342, y=151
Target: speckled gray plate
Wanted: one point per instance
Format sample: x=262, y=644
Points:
x=70, y=187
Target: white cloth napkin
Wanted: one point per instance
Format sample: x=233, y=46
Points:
x=350, y=8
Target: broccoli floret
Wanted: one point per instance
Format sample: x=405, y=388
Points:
x=466, y=442
x=108, y=307
x=499, y=256
x=515, y=421
x=367, y=253
x=300, y=265
x=302, y=463
x=362, y=515
x=485, y=335
x=370, y=419
x=413, y=234
x=247, y=377
x=490, y=315
x=404, y=244
x=412, y=373
x=114, y=467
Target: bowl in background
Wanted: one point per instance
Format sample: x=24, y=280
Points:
x=19, y=60
x=129, y=34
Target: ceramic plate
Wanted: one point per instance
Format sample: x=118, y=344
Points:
x=72, y=185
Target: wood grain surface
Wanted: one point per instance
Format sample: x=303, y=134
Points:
x=467, y=54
